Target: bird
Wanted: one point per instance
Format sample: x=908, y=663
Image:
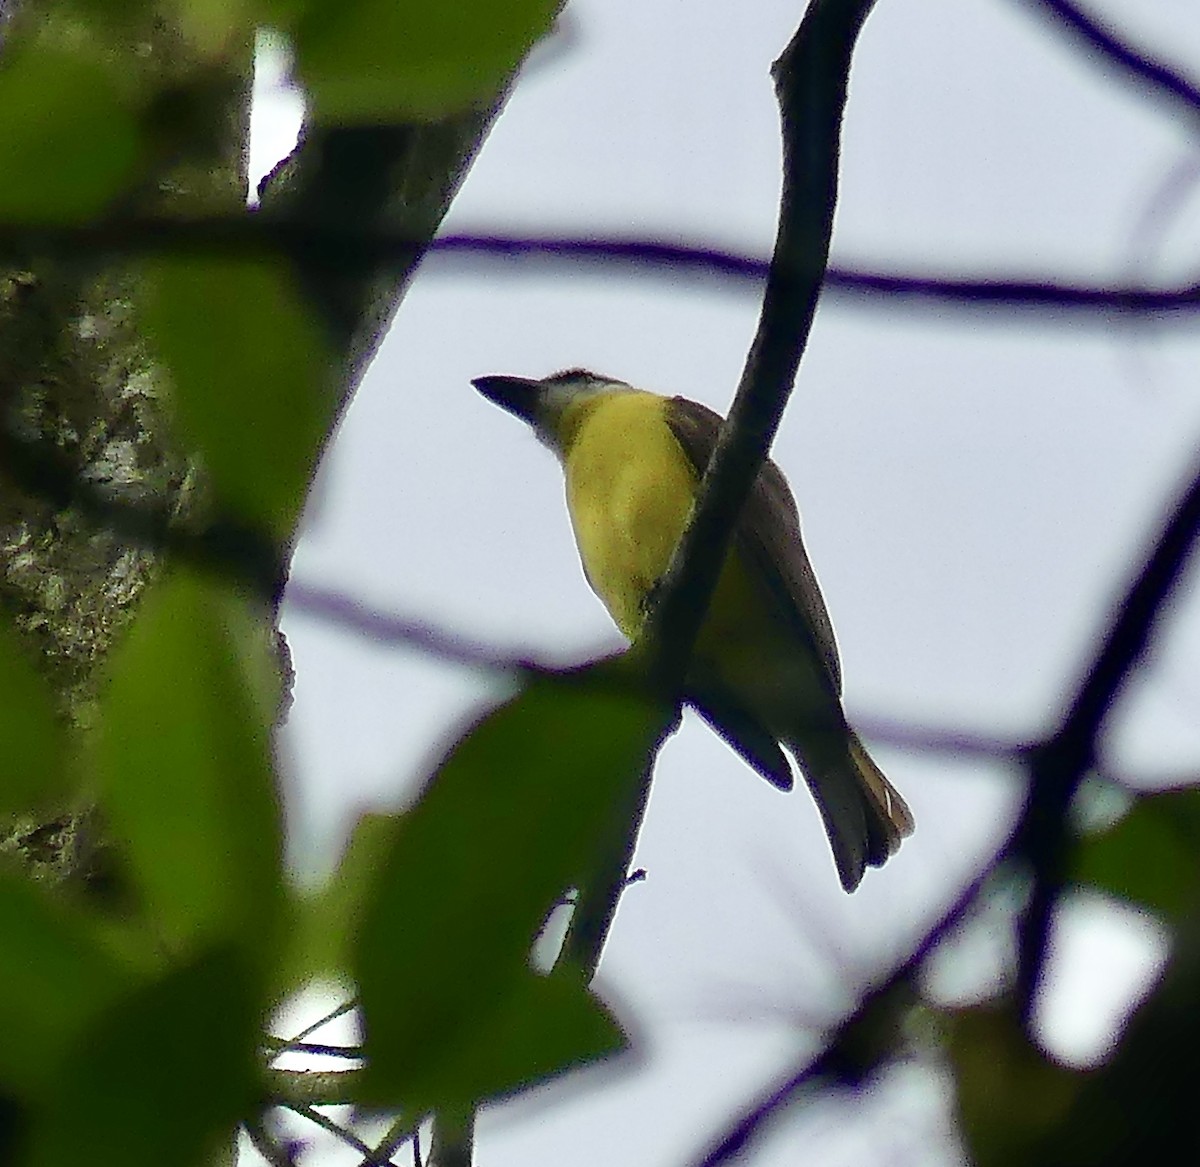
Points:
x=764, y=671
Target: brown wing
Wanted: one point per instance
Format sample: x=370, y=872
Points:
x=768, y=534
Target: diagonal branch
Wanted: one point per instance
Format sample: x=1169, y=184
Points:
x=1059, y=765
x=1040, y=836
x=1153, y=76
x=811, y=78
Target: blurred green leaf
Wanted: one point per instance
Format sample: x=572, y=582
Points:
x=206, y=24
x=329, y=920
x=1008, y=1094
x=55, y=978
x=34, y=739
x=68, y=143
x=1150, y=857
x=185, y=764
x=163, y=1076
x=213, y=25
x=377, y=60
x=251, y=380
x=520, y=807
x=545, y=1026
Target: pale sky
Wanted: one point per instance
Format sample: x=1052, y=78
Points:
x=974, y=492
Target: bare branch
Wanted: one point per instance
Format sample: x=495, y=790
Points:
x=312, y=1087
x=396, y=1136
x=1039, y=838
x=811, y=80
x=1059, y=765
x=379, y=627
x=1053, y=299
x=1153, y=76
x=841, y=1060
x=248, y=236
x=276, y=1154
x=327, y=1124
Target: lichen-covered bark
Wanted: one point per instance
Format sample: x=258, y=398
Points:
x=78, y=381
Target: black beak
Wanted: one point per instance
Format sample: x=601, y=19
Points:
x=519, y=395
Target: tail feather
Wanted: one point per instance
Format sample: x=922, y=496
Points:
x=889, y=821
x=864, y=815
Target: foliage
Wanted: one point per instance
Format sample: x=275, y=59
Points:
x=134, y=1010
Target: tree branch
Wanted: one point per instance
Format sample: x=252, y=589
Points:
x=250, y=235
x=811, y=78
x=858, y=1042
x=312, y=1087
x=865, y=285
x=1040, y=837
x=1058, y=766
x=1152, y=76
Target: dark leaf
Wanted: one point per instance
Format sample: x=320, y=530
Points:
x=55, y=978
x=68, y=144
x=187, y=778
x=251, y=380
x=1151, y=856
x=376, y=60
x=163, y=1077
x=519, y=809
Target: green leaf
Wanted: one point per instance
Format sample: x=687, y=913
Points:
x=68, y=144
x=251, y=380
x=34, y=739
x=1148, y=857
x=185, y=765
x=163, y=1076
x=1009, y=1096
x=545, y=1026
x=329, y=920
x=378, y=60
x=522, y=806
x=55, y=978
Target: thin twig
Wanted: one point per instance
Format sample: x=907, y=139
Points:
x=283, y=1045
x=597, y=901
x=327, y=1124
x=397, y=1135
x=712, y=265
x=248, y=236
x=278, y=1046
x=828, y=1064
x=344, y=611
x=1155, y=78
x=277, y=1154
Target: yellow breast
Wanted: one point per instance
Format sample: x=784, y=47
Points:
x=629, y=491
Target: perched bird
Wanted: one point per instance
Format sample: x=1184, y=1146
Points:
x=765, y=667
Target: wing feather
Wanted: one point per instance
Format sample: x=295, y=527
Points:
x=767, y=534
